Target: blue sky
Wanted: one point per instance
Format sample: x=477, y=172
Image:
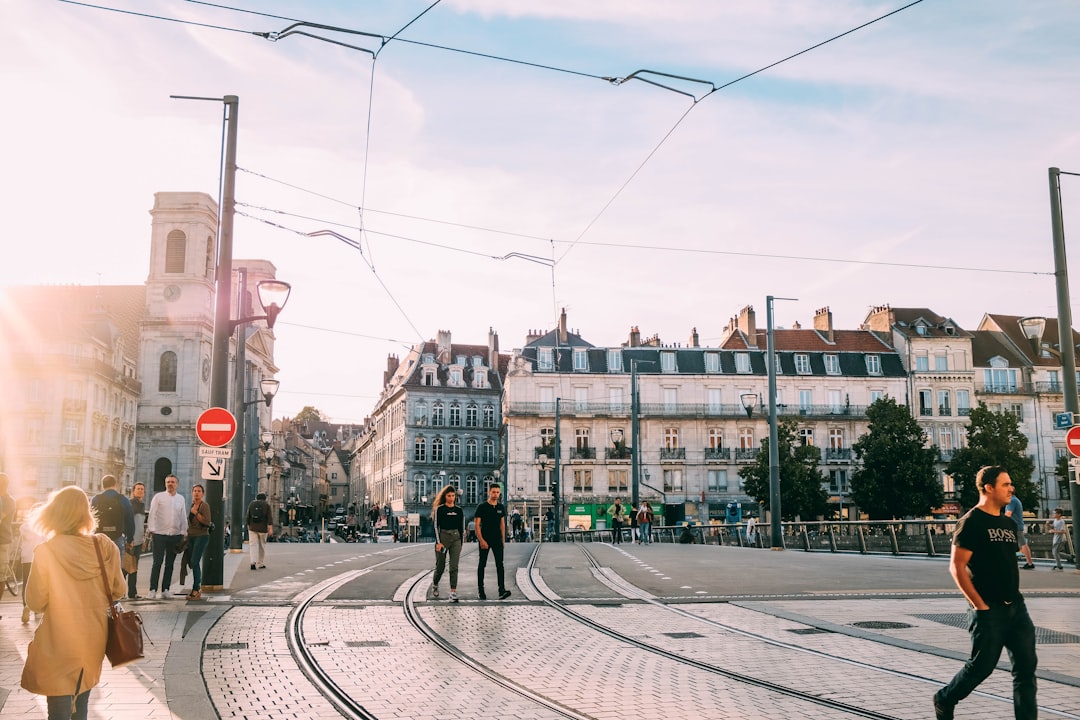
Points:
x=923, y=139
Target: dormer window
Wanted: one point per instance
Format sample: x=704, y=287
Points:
x=545, y=359
x=614, y=361
x=920, y=329
x=950, y=330
x=742, y=362
x=477, y=361
x=873, y=364
x=667, y=362
x=460, y=360
x=581, y=360
x=802, y=363
x=712, y=362
x=832, y=364
x=429, y=359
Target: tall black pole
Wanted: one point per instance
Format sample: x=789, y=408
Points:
x=236, y=487
x=213, y=563
x=635, y=431
x=776, y=529
x=557, y=499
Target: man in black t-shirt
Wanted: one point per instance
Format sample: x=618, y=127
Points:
x=490, y=528
x=983, y=565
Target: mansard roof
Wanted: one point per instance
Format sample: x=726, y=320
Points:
x=987, y=344
x=1009, y=325
x=905, y=320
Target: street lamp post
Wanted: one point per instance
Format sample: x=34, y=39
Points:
x=776, y=529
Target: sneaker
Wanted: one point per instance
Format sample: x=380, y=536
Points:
x=252, y=566
x=453, y=596
x=941, y=710
x=134, y=597
x=503, y=594
x=1027, y=566
x=262, y=567
x=434, y=590
x=1058, y=569
x=152, y=595
x=25, y=614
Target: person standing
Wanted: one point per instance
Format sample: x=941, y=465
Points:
x=198, y=533
x=165, y=525
x=260, y=527
x=64, y=660
x=549, y=524
x=490, y=527
x=983, y=566
x=115, y=519
x=751, y=531
x=29, y=539
x=618, y=517
x=135, y=544
x=449, y=532
x=1057, y=528
x=644, y=523
x=7, y=538
x=1015, y=510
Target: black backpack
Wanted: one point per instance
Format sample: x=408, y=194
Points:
x=258, y=513
x=110, y=515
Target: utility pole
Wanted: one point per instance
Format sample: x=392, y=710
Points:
x=557, y=495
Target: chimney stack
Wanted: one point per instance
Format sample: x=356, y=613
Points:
x=823, y=323
x=493, y=349
x=694, y=342
x=748, y=326
x=392, y=363
x=563, y=338
x=635, y=337
x=880, y=319
x=443, y=344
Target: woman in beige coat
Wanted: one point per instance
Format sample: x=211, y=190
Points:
x=64, y=660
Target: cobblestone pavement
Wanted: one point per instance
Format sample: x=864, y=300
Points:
x=229, y=656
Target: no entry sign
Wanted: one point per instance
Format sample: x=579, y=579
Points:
x=1072, y=440
x=216, y=427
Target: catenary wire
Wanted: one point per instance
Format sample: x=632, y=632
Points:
x=159, y=17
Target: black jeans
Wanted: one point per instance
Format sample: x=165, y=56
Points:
x=616, y=532
x=164, y=552
x=497, y=553
x=1002, y=626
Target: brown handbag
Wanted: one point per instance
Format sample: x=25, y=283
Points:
x=125, y=637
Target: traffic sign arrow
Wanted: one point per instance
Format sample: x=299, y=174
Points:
x=213, y=468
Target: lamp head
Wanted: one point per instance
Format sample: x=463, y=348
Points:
x=1033, y=328
x=749, y=400
x=269, y=389
x=273, y=294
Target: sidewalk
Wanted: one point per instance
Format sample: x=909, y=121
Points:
x=167, y=684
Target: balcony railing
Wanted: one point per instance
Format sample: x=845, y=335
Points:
x=1055, y=387
x=718, y=453
x=746, y=454
x=926, y=412
x=617, y=454
x=944, y=410
x=548, y=450
x=1020, y=388
x=963, y=412
x=672, y=453
x=946, y=455
x=837, y=454
x=586, y=453
x=683, y=410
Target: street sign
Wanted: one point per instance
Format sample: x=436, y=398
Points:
x=216, y=427
x=213, y=468
x=1072, y=440
x=1063, y=420
x=222, y=452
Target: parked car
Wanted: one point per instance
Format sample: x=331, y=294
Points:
x=384, y=536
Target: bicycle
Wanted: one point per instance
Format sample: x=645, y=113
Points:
x=11, y=566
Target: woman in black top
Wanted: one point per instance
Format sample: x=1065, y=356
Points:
x=449, y=530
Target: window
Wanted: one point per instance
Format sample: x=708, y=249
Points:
x=742, y=362
x=832, y=364
x=806, y=400
x=806, y=436
x=873, y=364
x=614, y=361
x=962, y=436
x=715, y=400
x=455, y=377
x=167, y=372
x=802, y=363
x=835, y=404
x=455, y=414
x=716, y=481
x=838, y=482
x=1053, y=383
x=617, y=482
x=34, y=431
x=547, y=437
x=671, y=438
x=471, y=446
x=667, y=362
x=582, y=481
x=876, y=395
x=1016, y=409
x=836, y=439
x=472, y=492
x=477, y=361
x=671, y=399
x=547, y=399
x=922, y=363
x=489, y=451
x=543, y=479
x=746, y=438
x=581, y=438
x=438, y=414
x=480, y=378
x=944, y=402
x=963, y=402
x=716, y=438
x=615, y=399
x=437, y=450
x=999, y=378
x=472, y=415
x=926, y=403
x=421, y=483
x=429, y=359
x=779, y=368
x=945, y=440
x=489, y=416
x=712, y=362
x=429, y=378
x=941, y=362
x=460, y=360
x=71, y=432
x=175, y=252
x=420, y=449
x=420, y=413
x=673, y=480
x=581, y=360
x=581, y=399
x=544, y=359
x=454, y=454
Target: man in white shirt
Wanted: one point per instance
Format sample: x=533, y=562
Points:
x=166, y=524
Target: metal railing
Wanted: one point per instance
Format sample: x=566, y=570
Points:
x=686, y=410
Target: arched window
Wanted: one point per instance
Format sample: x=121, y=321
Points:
x=470, y=450
x=455, y=414
x=472, y=496
x=167, y=372
x=421, y=449
x=489, y=416
x=420, y=413
x=162, y=469
x=437, y=414
x=420, y=480
x=211, y=257
x=472, y=415
x=489, y=451
x=436, y=450
x=175, y=252
x=455, y=451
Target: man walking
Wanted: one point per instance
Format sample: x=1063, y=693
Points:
x=490, y=526
x=115, y=518
x=983, y=566
x=259, y=526
x=1015, y=510
x=166, y=525
x=1057, y=529
x=618, y=517
x=135, y=542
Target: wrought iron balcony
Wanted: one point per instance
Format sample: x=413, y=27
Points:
x=585, y=453
x=548, y=450
x=618, y=453
x=1006, y=388
x=680, y=410
x=672, y=453
x=718, y=453
x=837, y=454
x=746, y=454
x=944, y=410
x=945, y=455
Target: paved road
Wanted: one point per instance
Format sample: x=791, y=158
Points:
x=777, y=616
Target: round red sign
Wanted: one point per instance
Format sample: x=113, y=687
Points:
x=1072, y=440
x=216, y=427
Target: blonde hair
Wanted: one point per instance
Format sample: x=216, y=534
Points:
x=66, y=512
x=440, y=499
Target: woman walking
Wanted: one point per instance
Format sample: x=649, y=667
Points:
x=63, y=662
x=449, y=530
x=198, y=533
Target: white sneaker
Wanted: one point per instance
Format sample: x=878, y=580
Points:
x=453, y=596
x=152, y=595
x=434, y=590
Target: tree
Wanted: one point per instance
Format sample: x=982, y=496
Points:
x=308, y=414
x=896, y=475
x=994, y=438
x=801, y=491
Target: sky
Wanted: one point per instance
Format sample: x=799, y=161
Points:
x=904, y=163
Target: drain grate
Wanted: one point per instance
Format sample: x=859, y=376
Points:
x=880, y=625
x=808, y=631
x=1043, y=636
x=227, y=646
x=682, y=635
x=366, y=643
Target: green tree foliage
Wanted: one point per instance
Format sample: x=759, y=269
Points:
x=801, y=491
x=308, y=414
x=896, y=477
x=994, y=438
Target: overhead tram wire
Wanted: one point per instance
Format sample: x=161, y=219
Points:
x=160, y=17
x=637, y=75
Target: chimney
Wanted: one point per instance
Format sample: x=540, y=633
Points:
x=880, y=319
x=796, y=325
x=443, y=343
x=533, y=336
x=562, y=327
x=823, y=323
x=635, y=337
x=493, y=349
x=392, y=363
x=694, y=341
x=747, y=325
